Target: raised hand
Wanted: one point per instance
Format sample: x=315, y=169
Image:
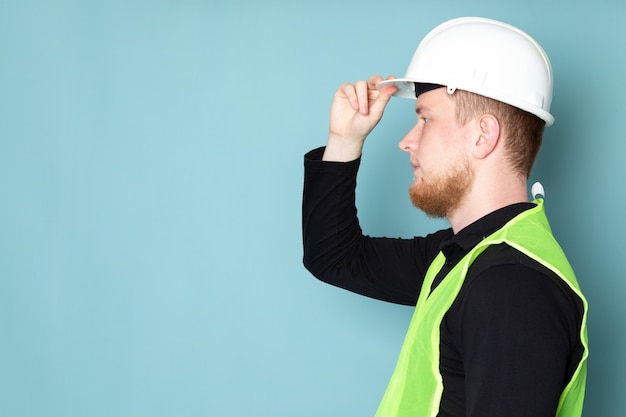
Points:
x=356, y=110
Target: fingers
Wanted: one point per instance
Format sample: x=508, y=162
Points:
x=348, y=91
x=362, y=94
x=373, y=80
x=356, y=110
x=389, y=90
x=357, y=95
x=383, y=97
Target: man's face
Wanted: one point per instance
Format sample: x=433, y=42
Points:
x=437, y=147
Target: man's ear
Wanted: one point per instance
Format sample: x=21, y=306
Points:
x=488, y=135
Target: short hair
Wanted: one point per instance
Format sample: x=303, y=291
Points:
x=523, y=130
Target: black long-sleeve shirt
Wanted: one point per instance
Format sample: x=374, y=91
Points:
x=510, y=341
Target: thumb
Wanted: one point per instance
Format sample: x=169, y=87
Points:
x=378, y=106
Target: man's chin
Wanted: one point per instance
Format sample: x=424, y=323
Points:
x=426, y=202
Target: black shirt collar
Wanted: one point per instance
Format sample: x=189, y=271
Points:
x=463, y=241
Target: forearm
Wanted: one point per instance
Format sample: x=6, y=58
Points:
x=329, y=223
x=337, y=252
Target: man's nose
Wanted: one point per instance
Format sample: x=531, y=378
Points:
x=411, y=140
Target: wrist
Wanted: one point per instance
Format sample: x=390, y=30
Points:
x=340, y=149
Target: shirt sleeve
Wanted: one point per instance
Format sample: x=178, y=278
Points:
x=337, y=252
x=516, y=329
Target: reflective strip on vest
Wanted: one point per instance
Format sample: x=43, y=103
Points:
x=416, y=386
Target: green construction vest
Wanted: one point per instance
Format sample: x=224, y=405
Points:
x=416, y=386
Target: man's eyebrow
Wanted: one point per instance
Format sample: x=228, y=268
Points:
x=420, y=108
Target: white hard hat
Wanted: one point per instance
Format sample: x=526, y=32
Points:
x=485, y=57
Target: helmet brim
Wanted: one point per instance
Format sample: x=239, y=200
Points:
x=405, y=86
x=408, y=88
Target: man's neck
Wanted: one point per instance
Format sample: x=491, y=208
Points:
x=480, y=202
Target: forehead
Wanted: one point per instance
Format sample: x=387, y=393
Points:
x=434, y=100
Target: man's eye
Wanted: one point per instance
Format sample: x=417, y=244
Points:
x=424, y=119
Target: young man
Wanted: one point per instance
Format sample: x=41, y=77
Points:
x=499, y=328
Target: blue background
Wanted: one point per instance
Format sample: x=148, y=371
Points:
x=150, y=191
